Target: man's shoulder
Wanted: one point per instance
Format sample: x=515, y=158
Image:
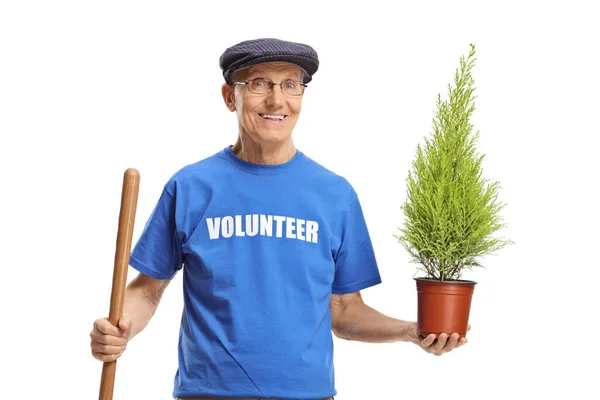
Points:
x=329, y=183
x=207, y=163
x=328, y=175
x=204, y=169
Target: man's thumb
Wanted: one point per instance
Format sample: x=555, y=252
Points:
x=125, y=325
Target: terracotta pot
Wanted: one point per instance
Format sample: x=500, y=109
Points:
x=443, y=306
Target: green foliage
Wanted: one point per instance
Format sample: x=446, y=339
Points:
x=451, y=212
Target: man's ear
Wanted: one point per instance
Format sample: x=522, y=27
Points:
x=228, y=92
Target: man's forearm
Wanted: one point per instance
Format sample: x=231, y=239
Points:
x=140, y=306
x=360, y=322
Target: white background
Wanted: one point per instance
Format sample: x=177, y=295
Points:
x=89, y=89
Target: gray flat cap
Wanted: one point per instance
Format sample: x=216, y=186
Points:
x=258, y=51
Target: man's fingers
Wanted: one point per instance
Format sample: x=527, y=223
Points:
x=428, y=341
x=452, y=341
x=461, y=342
x=107, y=339
x=105, y=357
x=104, y=326
x=106, y=349
x=441, y=342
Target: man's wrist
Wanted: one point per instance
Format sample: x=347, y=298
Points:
x=407, y=331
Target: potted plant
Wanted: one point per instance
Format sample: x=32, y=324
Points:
x=450, y=212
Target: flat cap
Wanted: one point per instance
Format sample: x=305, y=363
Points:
x=258, y=51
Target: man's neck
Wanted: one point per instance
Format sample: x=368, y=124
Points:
x=264, y=154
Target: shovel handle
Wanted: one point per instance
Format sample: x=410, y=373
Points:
x=129, y=197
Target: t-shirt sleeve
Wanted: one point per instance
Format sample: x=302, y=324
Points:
x=355, y=263
x=158, y=252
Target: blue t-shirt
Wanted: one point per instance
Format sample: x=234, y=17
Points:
x=262, y=249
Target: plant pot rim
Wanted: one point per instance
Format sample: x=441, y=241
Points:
x=457, y=282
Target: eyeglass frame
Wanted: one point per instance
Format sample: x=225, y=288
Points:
x=273, y=84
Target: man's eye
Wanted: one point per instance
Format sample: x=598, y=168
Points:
x=259, y=83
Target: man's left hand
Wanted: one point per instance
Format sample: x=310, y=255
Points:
x=444, y=343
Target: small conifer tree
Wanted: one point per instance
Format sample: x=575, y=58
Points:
x=451, y=211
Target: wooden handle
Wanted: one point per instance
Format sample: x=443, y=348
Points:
x=129, y=197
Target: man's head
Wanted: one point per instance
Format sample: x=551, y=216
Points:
x=265, y=81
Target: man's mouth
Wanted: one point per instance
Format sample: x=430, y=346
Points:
x=273, y=117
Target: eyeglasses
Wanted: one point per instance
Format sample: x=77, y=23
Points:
x=265, y=86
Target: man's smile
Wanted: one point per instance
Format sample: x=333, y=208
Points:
x=272, y=117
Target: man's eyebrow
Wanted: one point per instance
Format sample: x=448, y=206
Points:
x=254, y=72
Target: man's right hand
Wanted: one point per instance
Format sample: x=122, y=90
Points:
x=109, y=342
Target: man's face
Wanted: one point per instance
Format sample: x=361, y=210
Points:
x=260, y=115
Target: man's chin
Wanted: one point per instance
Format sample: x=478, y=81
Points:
x=273, y=135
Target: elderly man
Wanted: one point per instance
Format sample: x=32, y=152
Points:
x=274, y=250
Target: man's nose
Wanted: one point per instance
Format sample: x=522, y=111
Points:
x=276, y=96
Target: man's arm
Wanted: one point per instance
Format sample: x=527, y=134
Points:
x=352, y=319
x=142, y=297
